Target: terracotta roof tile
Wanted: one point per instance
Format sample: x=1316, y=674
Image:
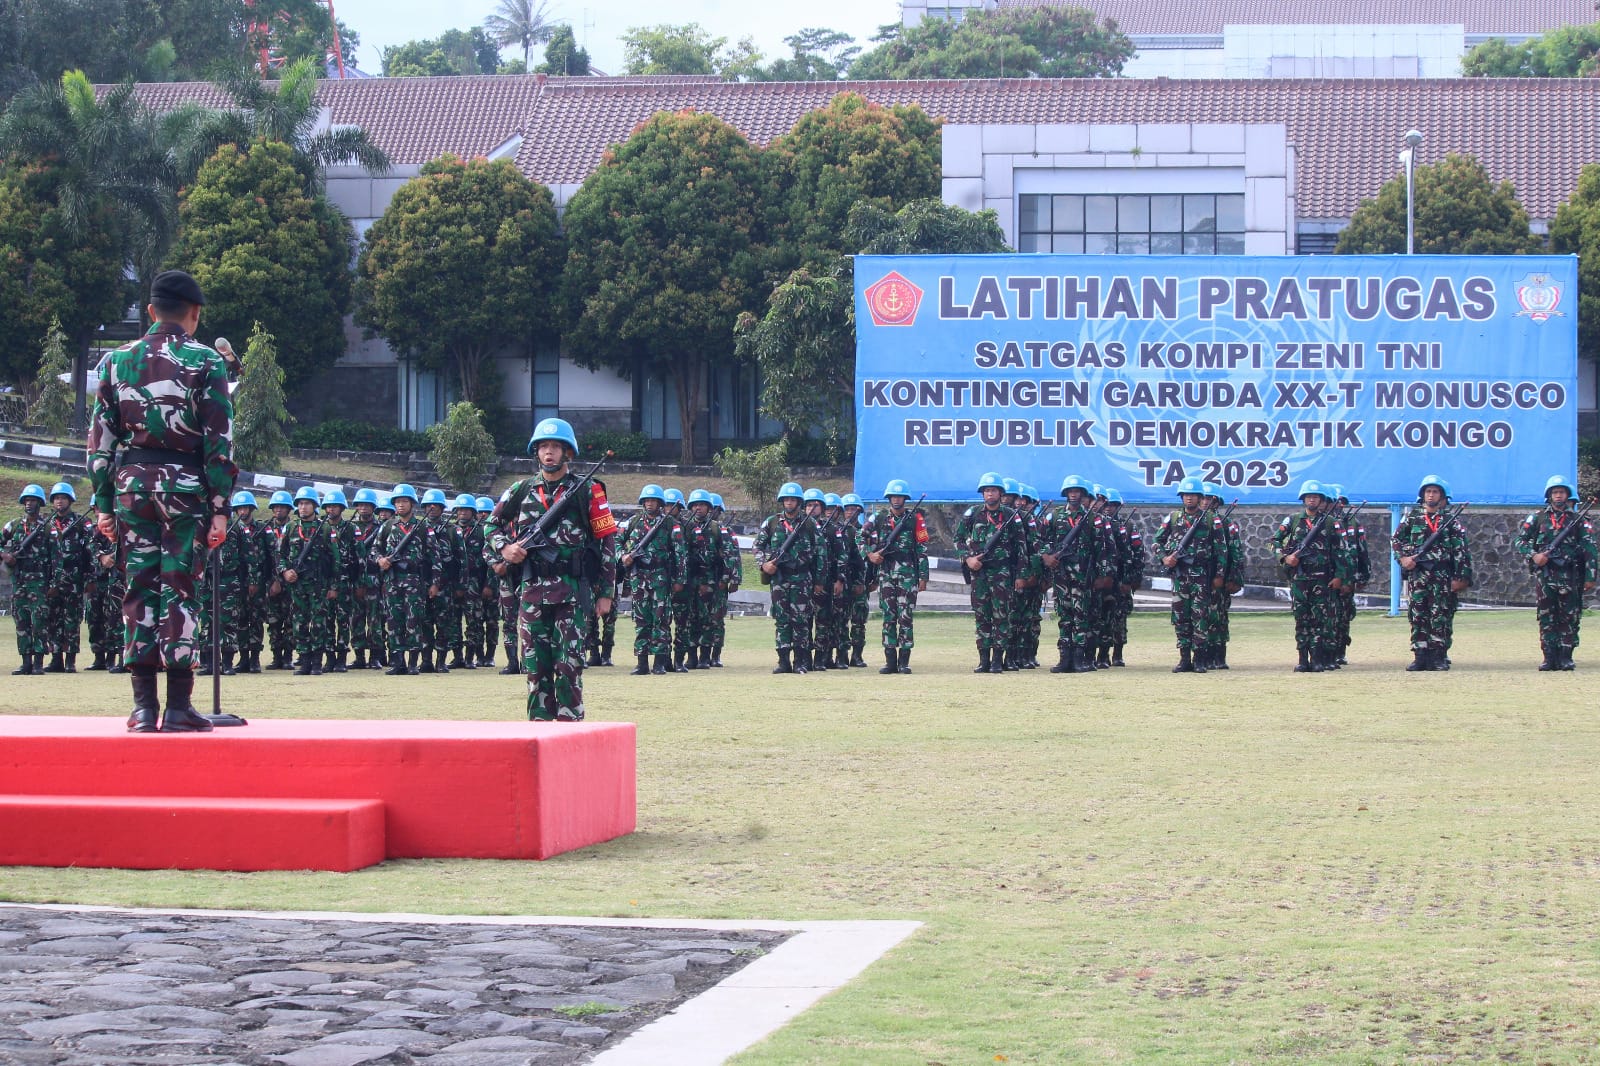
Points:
x=1151, y=17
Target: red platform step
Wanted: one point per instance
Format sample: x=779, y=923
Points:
x=184, y=833
x=494, y=790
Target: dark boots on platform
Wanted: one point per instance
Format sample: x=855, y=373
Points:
x=511, y=660
x=905, y=660
x=146, y=716
x=891, y=662
x=662, y=664
x=855, y=655
x=180, y=715
x=716, y=656
x=643, y=668
x=784, y=666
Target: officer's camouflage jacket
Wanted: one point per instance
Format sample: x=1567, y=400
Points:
x=583, y=566
x=905, y=560
x=1574, y=561
x=1000, y=527
x=1450, y=555
x=1204, y=555
x=1327, y=555
x=805, y=559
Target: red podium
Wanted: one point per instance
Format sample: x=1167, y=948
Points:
x=308, y=794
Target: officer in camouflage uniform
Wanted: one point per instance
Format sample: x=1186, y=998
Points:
x=489, y=595
x=401, y=550
x=72, y=562
x=107, y=586
x=683, y=599
x=732, y=578
x=308, y=566
x=990, y=540
x=1561, y=575
x=1436, y=578
x=236, y=564
x=849, y=572
x=506, y=576
x=856, y=605
x=897, y=549
x=655, y=557
x=1196, y=572
x=1355, y=536
x=366, y=608
x=602, y=633
x=474, y=573
x=342, y=534
x=1079, y=574
x=1128, y=544
x=275, y=616
x=1312, y=549
x=557, y=591
x=1026, y=620
x=794, y=574
x=1216, y=653
x=444, y=620
x=29, y=552
x=163, y=402
x=815, y=503
x=702, y=537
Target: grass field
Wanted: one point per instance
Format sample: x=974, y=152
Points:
x=1133, y=866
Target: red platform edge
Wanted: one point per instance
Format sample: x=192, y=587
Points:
x=500, y=790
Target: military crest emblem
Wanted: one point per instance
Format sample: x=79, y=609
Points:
x=1539, y=297
x=893, y=301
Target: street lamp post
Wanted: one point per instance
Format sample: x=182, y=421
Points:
x=1408, y=156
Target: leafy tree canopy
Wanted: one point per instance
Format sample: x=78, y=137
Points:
x=817, y=55
x=260, y=412
x=520, y=22
x=266, y=251
x=1576, y=231
x=1044, y=42
x=464, y=262
x=452, y=52
x=686, y=49
x=1565, y=52
x=1459, y=210
x=563, y=57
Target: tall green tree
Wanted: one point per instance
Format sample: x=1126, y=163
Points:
x=454, y=52
x=53, y=408
x=563, y=57
x=1012, y=42
x=1565, y=52
x=686, y=49
x=465, y=262
x=1576, y=231
x=805, y=344
x=663, y=255
x=850, y=152
x=266, y=251
x=520, y=22
x=462, y=448
x=1458, y=210
x=260, y=413
x=817, y=54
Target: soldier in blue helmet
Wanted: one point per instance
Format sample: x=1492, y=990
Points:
x=472, y=577
x=490, y=594
x=897, y=553
x=702, y=537
x=236, y=565
x=279, y=636
x=655, y=559
x=1026, y=622
x=72, y=535
x=1076, y=552
x=1233, y=559
x=366, y=616
x=990, y=539
x=1562, y=572
x=787, y=548
x=444, y=605
x=1313, y=551
x=1190, y=544
x=1436, y=578
x=1129, y=548
x=732, y=578
x=403, y=554
x=346, y=572
x=1355, y=535
x=26, y=548
x=307, y=565
x=856, y=607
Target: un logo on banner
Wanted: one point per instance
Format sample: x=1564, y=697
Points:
x=1539, y=297
x=893, y=301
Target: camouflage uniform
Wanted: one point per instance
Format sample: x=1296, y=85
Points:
x=236, y=564
x=1355, y=535
x=732, y=578
x=1432, y=610
x=653, y=572
x=556, y=592
x=1027, y=621
x=31, y=576
x=405, y=586
x=800, y=572
x=443, y=630
x=279, y=635
x=1193, y=577
x=1322, y=559
x=107, y=585
x=346, y=574
x=1087, y=568
x=72, y=536
x=366, y=599
x=474, y=578
x=601, y=635
x=1222, y=598
x=833, y=614
x=1130, y=552
x=904, y=569
x=1560, y=582
x=175, y=473
x=992, y=587
x=311, y=552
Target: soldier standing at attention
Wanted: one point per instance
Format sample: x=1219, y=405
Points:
x=1435, y=578
x=990, y=540
x=279, y=635
x=556, y=592
x=848, y=568
x=702, y=536
x=473, y=572
x=1355, y=543
x=307, y=567
x=1190, y=544
x=234, y=564
x=815, y=502
x=400, y=548
x=856, y=608
x=346, y=571
x=71, y=536
x=106, y=588
x=1310, y=547
x=732, y=578
x=787, y=548
x=366, y=632
x=489, y=604
x=682, y=598
x=1232, y=581
x=1562, y=575
x=654, y=555
x=1078, y=574
x=444, y=623
x=30, y=554
x=163, y=400
x=507, y=582
x=1130, y=573
x=897, y=546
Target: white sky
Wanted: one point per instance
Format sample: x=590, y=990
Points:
x=599, y=23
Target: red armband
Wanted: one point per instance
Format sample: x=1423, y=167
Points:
x=601, y=521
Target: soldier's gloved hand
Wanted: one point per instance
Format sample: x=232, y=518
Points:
x=1051, y=561
x=1588, y=586
x=1459, y=585
x=1233, y=586
x=498, y=568
x=9, y=559
x=769, y=568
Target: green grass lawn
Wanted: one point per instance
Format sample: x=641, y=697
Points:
x=1133, y=866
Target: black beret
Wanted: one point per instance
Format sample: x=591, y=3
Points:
x=176, y=285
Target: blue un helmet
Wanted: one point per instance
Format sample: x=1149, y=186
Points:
x=1559, y=481
x=465, y=500
x=814, y=496
x=435, y=496
x=403, y=491
x=850, y=499
x=897, y=487
x=281, y=498
x=61, y=488
x=308, y=493
x=1213, y=490
x=674, y=496
x=367, y=496
x=1113, y=496
x=385, y=503
x=716, y=502
x=1332, y=491
x=791, y=488
x=553, y=429
x=1311, y=487
x=701, y=496
x=652, y=492
x=1434, y=479
x=34, y=492
x=1076, y=481
x=1191, y=484
x=1028, y=492
x=832, y=499
x=243, y=498
x=335, y=498
x=484, y=504
x=991, y=480
x=1009, y=486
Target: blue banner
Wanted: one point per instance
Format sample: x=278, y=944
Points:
x=1252, y=372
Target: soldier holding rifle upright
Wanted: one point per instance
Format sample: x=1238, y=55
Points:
x=993, y=547
x=1432, y=549
x=1560, y=548
x=897, y=557
x=787, y=548
x=1190, y=544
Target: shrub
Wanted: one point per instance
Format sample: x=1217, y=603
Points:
x=758, y=472
x=348, y=435
x=463, y=450
x=629, y=447
x=259, y=411
x=53, y=408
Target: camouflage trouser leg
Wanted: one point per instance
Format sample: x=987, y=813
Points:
x=102, y=635
x=1314, y=623
x=683, y=620
x=366, y=619
x=489, y=611
x=313, y=617
x=233, y=608
x=66, y=620
x=1191, y=622
x=510, y=607
x=552, y=658
x=792, y=609
x=822, y=621
x=839, y=631
x=31, y=611
x=1020, y=627
x=1105, y=616
x=899, y=603
x=1075, y=617
x=1560, y=611
x=719, y=616
x=1431, y=611
x=280, y=633
x=1119, y=620
x=652, y=612
x=591, y=633
x=341, y=620
x=1347, y=615
x=437, y=629
x=859, y=609
x=1221, y=617
x=991, y=608
x=158, y=610
x=406, y=612
x=702, y=633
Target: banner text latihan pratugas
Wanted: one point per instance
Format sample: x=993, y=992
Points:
x=1253, y=372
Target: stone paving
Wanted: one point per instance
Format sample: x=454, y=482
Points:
x=101, y=988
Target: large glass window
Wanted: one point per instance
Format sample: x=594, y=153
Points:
x=1133, y=224
x=546, y=383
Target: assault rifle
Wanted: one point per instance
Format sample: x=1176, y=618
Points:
x=805, y=522
x=988, y=545
x=305, y=549
x=649, y=535
x=1450, y=515
x=1072, y=534
x=536, y=541
x=1565, y=531
x=394, y=553
x=16, y=556
x=1194, y=526
x=900, y=526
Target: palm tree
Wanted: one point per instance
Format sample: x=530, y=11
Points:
x=285, y=111
x=524, y=22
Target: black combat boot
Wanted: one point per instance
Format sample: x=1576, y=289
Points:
x=411, y=662
x=1419, y=661
x=487, y=656
x=1085, y=661
x=360, y=661
x=983, y=661
x=605, y=654
x=146, y=716
x=72, y=663
x=440, y=666
x=114, y=663
x=705, y=657
x=1008, y=660
x=1219, y=660
x=1066, y=665
x=180, y=715
x=1304, y=665
x=317, y=659
x=818, y=659
x=891, y=662
x=663, y=663
x=204, y=670
x=1318, y=663
x=802, y=660
x=397, y=665
x=425, y=665
x=26, y=668
x=99, y=661
x=716, y=656
x=1330, y=659
x=227, y=665
x=643, y=667
x=783, y=666
x=1566, y=658
x=592, y=660
x=1185, y=662
x=255, y=661
x=1102, y=659
x=55, y=666
x=511, y=660
x=303, y=667
x=855, y=655
x=1116, y=655
x=905, y=660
